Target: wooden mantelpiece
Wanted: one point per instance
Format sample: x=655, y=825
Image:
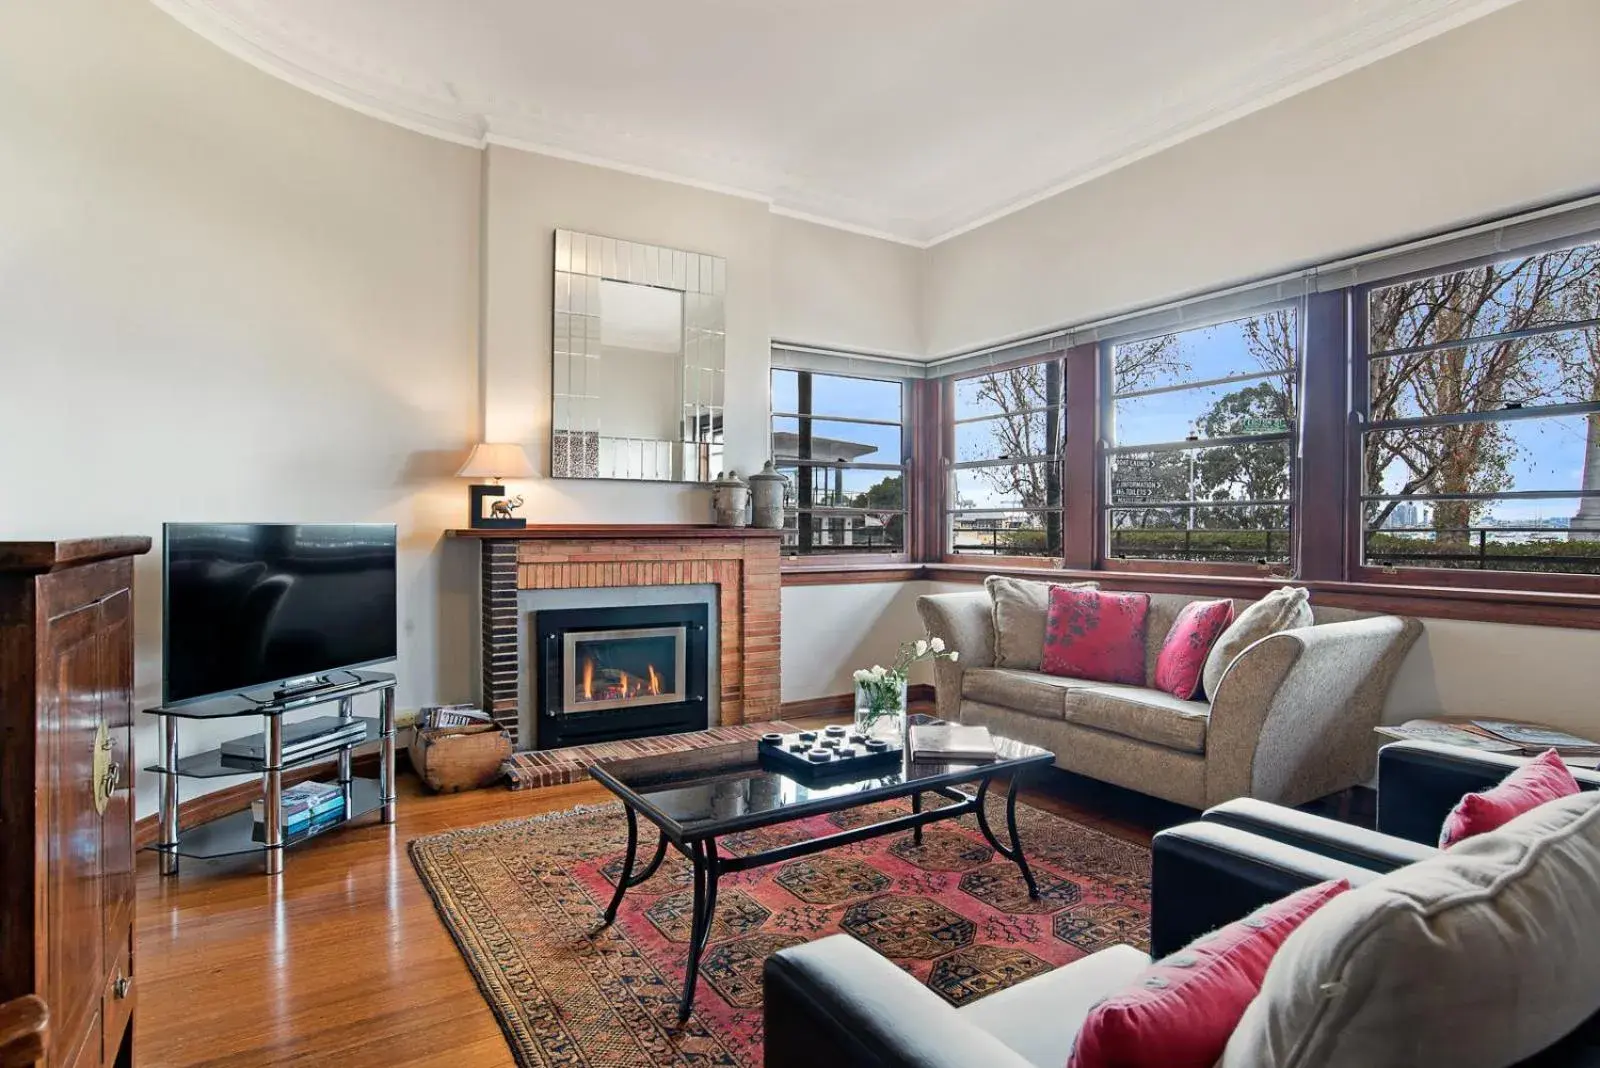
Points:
x=614, y=531
x=742, y=562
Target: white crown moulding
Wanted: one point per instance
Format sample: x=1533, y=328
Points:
x=432, y=107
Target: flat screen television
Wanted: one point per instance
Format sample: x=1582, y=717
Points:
x=273, y=607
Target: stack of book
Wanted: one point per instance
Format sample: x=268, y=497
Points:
x=950, y=743
x=307, y=806
x=1499, y=736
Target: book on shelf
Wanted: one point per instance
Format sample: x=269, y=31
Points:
x=940, y=742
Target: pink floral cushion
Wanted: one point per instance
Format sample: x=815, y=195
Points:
x=1090, y=634
x=1182, y=661
x=1544, y=778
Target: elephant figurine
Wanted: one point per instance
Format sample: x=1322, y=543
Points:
x=502, y=508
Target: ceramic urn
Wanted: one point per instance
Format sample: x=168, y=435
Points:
x=730, y=500
x=766, y=493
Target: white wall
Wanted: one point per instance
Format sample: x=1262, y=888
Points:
x=829, y=631
x=223, y=298
x=1493, y=116
x=840, y=290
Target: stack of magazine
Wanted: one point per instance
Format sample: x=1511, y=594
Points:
x=950, y=743
x=307, y=806
x=433, y=716
x=1499, y=736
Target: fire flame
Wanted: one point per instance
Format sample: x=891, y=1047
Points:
x=624, y=686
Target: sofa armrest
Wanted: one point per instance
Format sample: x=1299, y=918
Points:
x=966, y=623
x=836, y=1002
x=1293, y=716
x=1420, y=782
x=1205, y=875
x=1318, y=834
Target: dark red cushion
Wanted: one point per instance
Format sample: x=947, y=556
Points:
x=1091, y=634
x=1544, y=778
x=1183, y=655
x=1180, y=1012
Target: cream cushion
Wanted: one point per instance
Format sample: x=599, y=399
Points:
x=1032, y=692
x=1283, y=609
x=1021, y=608
x=1478, y=957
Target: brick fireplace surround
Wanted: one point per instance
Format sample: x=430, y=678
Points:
x=741, y=562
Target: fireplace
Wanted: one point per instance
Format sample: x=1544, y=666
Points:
x=631, y=671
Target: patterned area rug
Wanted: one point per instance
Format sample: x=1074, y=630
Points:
x=523, y=900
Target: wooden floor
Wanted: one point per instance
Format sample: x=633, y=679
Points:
x=342, y=960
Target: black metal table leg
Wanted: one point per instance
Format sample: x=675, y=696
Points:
x=627, y=866
x=1012, y=853
x=916, y=806
x=704, y=857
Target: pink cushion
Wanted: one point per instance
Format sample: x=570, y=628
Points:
x=1091, y=634
x=1544, y=778
x=1180, y=1012
x=1182, y=660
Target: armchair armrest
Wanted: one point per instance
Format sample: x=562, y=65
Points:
x=1206, y=875
x=836, y=1002
x=1292, y=718
x=966, y=623
x=1420, y=782
x=1318, y=834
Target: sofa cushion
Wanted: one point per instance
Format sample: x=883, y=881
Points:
x=1020, y=608
x=1140, y=713
x=1188, y=643
x=1469, y=959
x=1283, y=609
x=1032, y=692
x=1039, y=1018
x=1544, y=778
x=1180, y=1011
x=1095, y=635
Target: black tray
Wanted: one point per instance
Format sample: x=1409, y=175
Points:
x=779, y=750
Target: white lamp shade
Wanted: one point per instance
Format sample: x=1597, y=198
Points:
x=497, y=460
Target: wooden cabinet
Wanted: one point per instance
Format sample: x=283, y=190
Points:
x=66, y=791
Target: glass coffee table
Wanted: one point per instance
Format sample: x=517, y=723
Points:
x=696, y=797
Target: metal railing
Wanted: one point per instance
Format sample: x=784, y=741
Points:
x=1478, y=551
x=1258, y=544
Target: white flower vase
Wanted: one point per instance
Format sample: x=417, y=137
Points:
x=890, y=726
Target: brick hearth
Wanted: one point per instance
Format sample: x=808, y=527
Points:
x=741, y=563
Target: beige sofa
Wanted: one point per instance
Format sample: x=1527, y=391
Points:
x=1292, y=719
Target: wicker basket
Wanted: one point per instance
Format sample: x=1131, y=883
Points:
x=449, y=759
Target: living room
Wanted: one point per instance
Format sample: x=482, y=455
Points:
x=1107, y=308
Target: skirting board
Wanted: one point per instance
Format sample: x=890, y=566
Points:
x=843, y=704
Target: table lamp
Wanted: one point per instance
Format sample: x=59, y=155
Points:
x=495, y=461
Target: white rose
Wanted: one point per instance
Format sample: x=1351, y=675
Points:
x=954, y=656
x=921, y=647
x=936, y=644
x=878, y=671
x=862, y=675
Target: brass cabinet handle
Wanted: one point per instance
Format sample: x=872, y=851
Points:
x=121, y=987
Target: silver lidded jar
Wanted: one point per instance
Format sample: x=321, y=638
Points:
x=730, y=500
x=766, y=491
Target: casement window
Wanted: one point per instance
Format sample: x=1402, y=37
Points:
x=1479, y=392
x=842, y=441
x=1200, y=431
x=1006, y=431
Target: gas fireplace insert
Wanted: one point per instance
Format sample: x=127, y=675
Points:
x=611, y=673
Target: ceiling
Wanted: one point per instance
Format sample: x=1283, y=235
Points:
x=908, y=119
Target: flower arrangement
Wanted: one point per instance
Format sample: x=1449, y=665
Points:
x=881, y=691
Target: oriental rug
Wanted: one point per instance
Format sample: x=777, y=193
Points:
x=523, y=900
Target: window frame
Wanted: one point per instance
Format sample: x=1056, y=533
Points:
x=1359, y=423
x=791, y=556
x=1106, y=448
x=944, y=470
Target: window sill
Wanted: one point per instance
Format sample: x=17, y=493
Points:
x=848, y=574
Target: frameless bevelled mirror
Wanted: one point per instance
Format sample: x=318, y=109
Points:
x=638, y=346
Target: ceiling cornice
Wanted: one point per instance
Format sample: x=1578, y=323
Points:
x=434, y=109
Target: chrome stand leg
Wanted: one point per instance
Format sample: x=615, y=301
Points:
x=347, y=712
x=386, y=754
x=169, y=795
x=272, y=794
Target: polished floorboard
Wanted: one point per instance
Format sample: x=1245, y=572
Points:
x=342, y=960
